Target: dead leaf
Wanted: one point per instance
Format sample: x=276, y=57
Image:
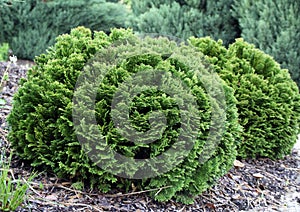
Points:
x=238, y=163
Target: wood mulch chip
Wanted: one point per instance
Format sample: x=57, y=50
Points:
x=251, y=185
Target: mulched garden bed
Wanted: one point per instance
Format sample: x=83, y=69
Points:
x=255, y=185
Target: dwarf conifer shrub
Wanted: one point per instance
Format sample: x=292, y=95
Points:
x=48, y=130
x=31, y=26
x=183, y=19
x=268, y=99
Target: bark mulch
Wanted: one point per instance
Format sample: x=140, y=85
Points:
x=251, y=185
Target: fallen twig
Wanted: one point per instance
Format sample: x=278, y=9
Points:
x=137, y=192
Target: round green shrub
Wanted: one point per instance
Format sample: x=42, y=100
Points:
x=44, y=133
x=268, y=99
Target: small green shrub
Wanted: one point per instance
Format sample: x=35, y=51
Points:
x=4, y=47
x=31, y=26
x=185, y=18
x=268, y=99
x=43, y=130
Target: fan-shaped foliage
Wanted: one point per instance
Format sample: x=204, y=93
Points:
x=268, y=99
x=43, y=130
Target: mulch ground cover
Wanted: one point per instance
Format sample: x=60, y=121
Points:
x=251, y=185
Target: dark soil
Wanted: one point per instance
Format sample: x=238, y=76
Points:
x=261, y=185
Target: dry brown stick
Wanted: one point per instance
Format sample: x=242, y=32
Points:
x=158, y=191
x=66, y=188
x=108, y=195
x=53, y=186
x=75, y=191
x=32, y=189
x=137, y=192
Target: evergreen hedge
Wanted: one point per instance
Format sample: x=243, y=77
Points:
x=273, y=26
x=268, y=99
x=43, y=131
x=183, y=19
x=31, y=26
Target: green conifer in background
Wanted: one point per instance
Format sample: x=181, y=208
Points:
x=31, y=26
x=274, y=27
x=185, y=18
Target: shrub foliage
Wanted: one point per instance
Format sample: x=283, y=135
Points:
x=43, y=131
x=268, y=99
x=185, y=18
x=273, y=26
x=31, y=26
